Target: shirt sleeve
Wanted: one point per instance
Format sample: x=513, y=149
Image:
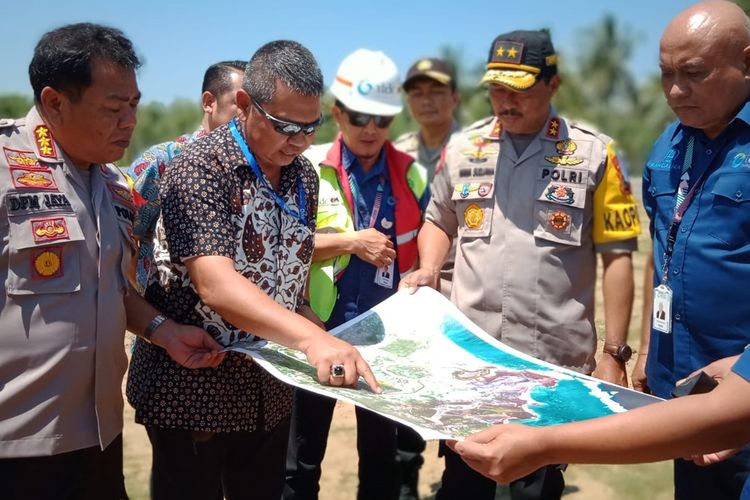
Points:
x=742, y=366
x=441, y=210
x=196, y=205
x=649, y=204
x=615, y=210
x=145, y=173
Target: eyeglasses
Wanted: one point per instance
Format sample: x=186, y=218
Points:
x=362, y=119
x=286, y=127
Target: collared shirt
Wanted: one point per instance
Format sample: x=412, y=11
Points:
x=528, y=227
x=212, y=204
x=146, y=172
x=64, y=257
x=357, y=290
x=412, y=143
x=710, y=265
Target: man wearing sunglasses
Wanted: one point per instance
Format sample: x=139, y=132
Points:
x=371, y=203
x=531, y=198
x=220, y=85
x=233, y=249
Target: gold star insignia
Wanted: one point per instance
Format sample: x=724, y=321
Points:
x=500, y=51
x=512, y=52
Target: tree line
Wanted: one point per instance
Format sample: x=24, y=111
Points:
x=598, y=88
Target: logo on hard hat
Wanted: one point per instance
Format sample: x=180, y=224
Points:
x=364, y=87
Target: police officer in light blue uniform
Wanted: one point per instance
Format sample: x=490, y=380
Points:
x=696, y=191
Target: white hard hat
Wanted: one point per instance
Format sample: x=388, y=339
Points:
x=368, y=81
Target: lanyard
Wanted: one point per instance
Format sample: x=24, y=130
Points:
x=361, y=205
x=300, y=214
x=681, y=204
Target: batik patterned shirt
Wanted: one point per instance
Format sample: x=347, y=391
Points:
x=213, y=204
x=145, y=174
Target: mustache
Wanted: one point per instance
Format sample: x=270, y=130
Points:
x=509, y=112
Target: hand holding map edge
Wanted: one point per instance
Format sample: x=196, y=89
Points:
x=421, y=277
x=503, y=452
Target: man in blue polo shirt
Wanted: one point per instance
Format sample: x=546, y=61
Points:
x=696, y=191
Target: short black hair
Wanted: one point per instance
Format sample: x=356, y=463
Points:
x=218, y=77
x=63, y=57
x=286, y=61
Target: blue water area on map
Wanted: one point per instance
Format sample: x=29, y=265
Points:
x=483, y=350
x=567, y=401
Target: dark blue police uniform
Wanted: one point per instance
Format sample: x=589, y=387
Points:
x=708, y=273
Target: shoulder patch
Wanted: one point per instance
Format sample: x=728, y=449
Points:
x=479, y=124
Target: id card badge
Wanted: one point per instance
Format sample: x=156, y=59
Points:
x=662, y=313
x=384, y=276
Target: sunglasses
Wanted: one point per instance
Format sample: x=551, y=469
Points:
x=362, y=119
x=286, y=127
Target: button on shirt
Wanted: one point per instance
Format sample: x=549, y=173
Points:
x=710, y=265
x=357, y=290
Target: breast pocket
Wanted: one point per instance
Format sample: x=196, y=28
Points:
x=44, y=254
x=663, y=190
x=731, y=209
x=558, y=212
x=475, y=204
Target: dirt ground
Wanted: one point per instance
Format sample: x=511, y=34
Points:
x=339, y=478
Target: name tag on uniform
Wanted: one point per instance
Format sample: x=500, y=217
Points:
x=384, y=276
x=662, y=313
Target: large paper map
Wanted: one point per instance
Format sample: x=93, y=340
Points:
x=445, y=377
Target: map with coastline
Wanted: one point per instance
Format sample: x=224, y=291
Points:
x=446, y=378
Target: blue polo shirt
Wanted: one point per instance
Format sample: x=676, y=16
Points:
x=742, y=366
x=357, y=290
x=709, y=273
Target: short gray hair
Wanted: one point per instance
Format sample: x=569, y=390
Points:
x=286, y=61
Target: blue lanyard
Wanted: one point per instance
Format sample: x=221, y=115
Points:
x=300, y=214
x=361, y=206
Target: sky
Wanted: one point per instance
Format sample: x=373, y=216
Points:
x=178, y=40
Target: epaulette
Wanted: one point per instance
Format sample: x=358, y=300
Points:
x=404, y=137
x=589, y=129
x=7, y=122
x=478, y=124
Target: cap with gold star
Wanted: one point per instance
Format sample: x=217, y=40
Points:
x=519, y=58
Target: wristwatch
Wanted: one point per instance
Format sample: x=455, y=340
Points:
x=621, y=352
x=153, y=325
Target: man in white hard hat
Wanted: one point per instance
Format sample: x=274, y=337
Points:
x=371, y=202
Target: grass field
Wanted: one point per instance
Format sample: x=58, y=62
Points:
x=339, y=479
